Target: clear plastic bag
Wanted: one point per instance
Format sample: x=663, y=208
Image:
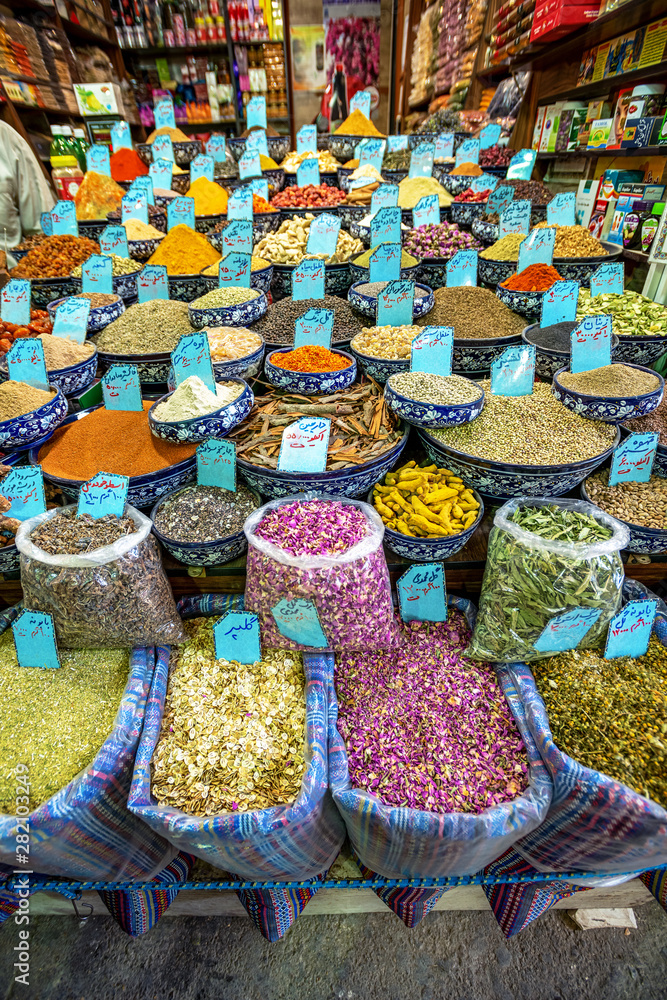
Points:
x=529, y=580
x=115, y=596
x=351, y=591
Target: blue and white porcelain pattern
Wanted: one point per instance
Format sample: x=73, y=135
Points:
x=99, y=317
x=276, y=179
x=143, y=249
x=206, y=223
x=278, y=146
x=343, y=146
x=456, y=183
x=243, y=368
x=441, y=170
x=124, y=285
x=547, y=362
x=503, y=481
x=367, y=304
x=433, y=271
x=310, y=383
x=260, y=279
x=213, y=553
x=485, y=232
x=393, y=176
x=471, y=356
x=528, y=304
x=358, y=273
x=647, y=541
x=343, y=175
x=153, y=369
x=301, y=213
x=378, y=368
x=611, y=410
x=184, y=152
x=92, y=228
x=20, y=432
x=45, y=290
x=416, y=138
x=337, y=280
x=74, y=378
x=581, y=268
x=432, y=414
x=158, y=220
x=493, y=272
x=430, y=549
x=640, y=350
x=464, y=213
x=353, y=482
x=351, y=213
x=262, y=224
x=241, y=314
x=213, y=425
x=186, y=288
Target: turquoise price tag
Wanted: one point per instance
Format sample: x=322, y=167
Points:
x=24, y=488
x=607, y=280
x=566, y=631
x=161, y=172
x=239, y=204
x=485, y=182
x=304, y=445
x=98, y=159
x=521, y=165
x=462, y=268
x=35, y=640
x=306, y=139
x=162, y=148
x=537, y=248
x=396, y=142
x=63, y=218
x=105, y=493
x=308, y=172
x=630, y=630
x=237, y=237
x=201, y=166
x=427, y=211
x=515, y=219
x=395, y=304
x=97, y=274
x=431, y=350
x=513, y=373
x=192, y=356
x=114, y=240
x=422, y=596
x=260, y=186
x=489, y=136
x=164, y=114
x=298, y=620
x=421, y=160
x=444, y=146
x=371, y=152
x=386, y=226
x=256, y=112
x=500, y=199
x=323, y=234
x=559, y=303
x=234, y=269
x=216, y=464
x=308, y=280
x=385, y=262
x=256, y=143
x=236, y=636
x=15, y=302
x=361, y=101
x=468, y=152
x=134, y=207
x=216, y=147
x=249, y=165
x=360, y=182
x=632, y=461
x=121, y=388
x=560, y=210
x=46, y=222
x=25, y=363
x=590, y=344
x=71, y=319
x=152, y=283
x=314, y=327
x=181, y=212
x=386, y=196
x=121, y=138
x=143, y=185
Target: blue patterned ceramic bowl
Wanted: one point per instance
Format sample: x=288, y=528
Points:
x=367, y=304
x=432, y=414
x=329, y=177
x=548, y=361
x=153, y=368
x=20, y=432
x=180, y=183
x=358, y=273
x=464, y=213
x=92, y=228
x=73, y=378
x=456, y=183
x=640, y=350
x=213, y=553
x=430, y=549
x=660, y=462
x=276, y=179
x=242, y=314
x=343, y=177
x=471, y=356
x=485, y=232
x=259, y=279
x=45, y=290
x=441, y=170
x=186, y=288
x=408, y=220
x=143, y=249
x=310, y=383
x=610, y=409
x=157, y=219
x=351, y=213
x=124, y=285
x=416, y=138
x=262, y=224
x=214, y=425
x=301, y=213
x=581, y=268
x=528, y=304
x=206, y=223
x=433, y=271
x=642, y=540
x=503, y=481
x=495, y=171
x=184, y=152
x=343, y=146
x=494, y=272
x=352, y=482
x=99, y=316
x=337, y=280
x=363, y=233
x=394, y=176
x=225, y=371
x=278, y=146
x=379, y=368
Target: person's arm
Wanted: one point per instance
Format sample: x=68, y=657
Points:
x=34, y=194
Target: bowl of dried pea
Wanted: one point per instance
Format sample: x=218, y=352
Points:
x=611, y=393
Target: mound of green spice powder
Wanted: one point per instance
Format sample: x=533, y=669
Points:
x=55, y=721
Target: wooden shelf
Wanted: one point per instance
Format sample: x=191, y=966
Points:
x=574, y=154
x=174, y=52
x=636, y=255
x=605, y=86
x=81, y=34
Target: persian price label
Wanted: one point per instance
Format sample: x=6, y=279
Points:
x=559, y=303
x=236, y=637
x=485, y=182
x=560, y=210
x=63, y=219
x=259, y=186
x=590, y=344
x=98, y=159
x=181, y=212
x=500, y=199
x=46, y=222
x=152, y=283
x=566, y=631
x=513, y=373
x=97, y=274
x=462, y=268
x=371, y=152
x=237, y=236
x=444, y=146
x=216, y=464
x=630, y=630
x=239, y=204
x=163, y=112
x=304, y=445
x=121, y=388
x=537, y=248
x=298, y=620
x=163, y=148
x=192, y=356
x=24, y=488
x=143, y=185
x=314, y=327
x=121, y=138
x=427, y=211
x=632, y=461
x=114, y=240
x=386, y=196
x=308, y=172
x=249, y=165
x=468, y=152
x=489, y=136
x=134, y=207
x=256, y=112
x=216, y=147
x=256, y=143
x=15, y=302
x=323, y=234
x=71, y=319
x=308, y=280
x=35, y=640
x=234, y=269
x=431, y=350
x=607, y=280
x=105, y=493
x=422, y=594
x=386, y=226
x=395, y=143
x=385, y=262
x=161, y=172
x=395, y=304
x=306, y=139
x=515, y=219
x=361, y=101
x=25, y=362
x=521, y=165
x=421, y=160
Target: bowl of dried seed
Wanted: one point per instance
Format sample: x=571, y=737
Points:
x=104, y=309
x=363, y=296
x=230, y=305
x=612, y=393
x=203, y=525
x=28, y=413
x=641, y=507
x=427, y=400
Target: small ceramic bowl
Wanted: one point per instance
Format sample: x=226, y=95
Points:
x=20, y=432
x=223, y=371
x=416, y=138
x=99, y=316
x=610, y=409
x=214, y=425
x=143, y=249
x=432, y=414
x=186, y=287
x=367, y=304
x=259, y=279
x=379, y=368
x=72, y=379
x=648, y=541
x=241, y=314
x=548, y=361
x=337, y=280
x=278, y=146
x=358, y=273
x=180, y=183
x=184, y=152
x=430, y=549
x=464, y=213
x=92, y=228
x=206, y=223
x=309, y=383
x=528, y=304
x=45, y=290
x=213, y=553
x=124, y=285
x=343, y=146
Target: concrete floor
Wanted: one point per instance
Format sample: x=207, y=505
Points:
x=449, y=956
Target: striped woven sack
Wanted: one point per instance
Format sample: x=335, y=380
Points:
x=594, y=823
x=296, y=841
x=85, y=830
x=404, y=843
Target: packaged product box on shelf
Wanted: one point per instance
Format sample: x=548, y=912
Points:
x=624, y=204
x=549, y=117
x=561, y=22
x=577, y=123
x=621, y=109
x=600, y=132
x=639, y=132
x=570, y=108
x=553, y=134
x=599, y=108
x=99, y=98
x=647, y=192
x=539, y=125
x=585, y=201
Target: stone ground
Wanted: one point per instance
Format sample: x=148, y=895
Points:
x=450, y=956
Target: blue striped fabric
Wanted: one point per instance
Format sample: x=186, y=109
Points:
x=402, y=842
x=85, y=831
x=284, y=842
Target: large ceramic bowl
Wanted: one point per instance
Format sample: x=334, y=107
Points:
x=367, y=304
x=474, y=356
x=309, y=383
x=262, y=224
x=441, y=170
x=241, y=314
x=379, y=368
x=153, y=369
x=301, y=213
x=124, y=285
x=343, y=177
x=430, y=549
x=610, y=409
x=326, y=177
x=337, y=280
x=184, y=152
x=640, y=350
x=528, y=304
x=485, y=232
x=143, y=249
x=99, y=316
x=92, y=228
x=494, y=272
x=45, y=290
x=214, y=425
x=433, y=271
x=351, y=213
x=277, y=145
x=353, y=482
x=432, y=414
x=456, y=183
x=206, y=223
x=186, y=287
x=464, y=213
x=20, y=432
x=343, y=146
x=416, y=138
x=642, y=540
x=213, y=553
x=358, y=273
x=548, y=361
x=158, y=220
x=73, y=378
x=224, y=371
x=259, y=279
x=394, y=176
x=504, y=481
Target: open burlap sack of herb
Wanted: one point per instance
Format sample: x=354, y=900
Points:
x=547, y=557
x=114, y=595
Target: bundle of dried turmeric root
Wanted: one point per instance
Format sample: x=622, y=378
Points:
x=425, y=502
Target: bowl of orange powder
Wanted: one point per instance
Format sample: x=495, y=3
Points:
x=311, y=370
